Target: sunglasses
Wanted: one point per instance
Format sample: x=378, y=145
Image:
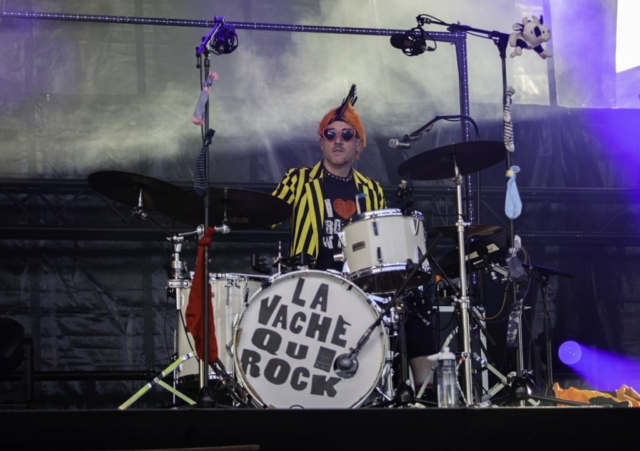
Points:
x=346, y=133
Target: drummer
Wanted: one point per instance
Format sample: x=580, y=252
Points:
x=325, y=195
x=330, y=192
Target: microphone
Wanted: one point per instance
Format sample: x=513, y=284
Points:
x=225, y=40
x=410, y=44
x=346, y=365
x=399, y=144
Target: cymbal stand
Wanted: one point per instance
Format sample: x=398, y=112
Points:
x=139, y=211
x=464, y=296
x=178, y=273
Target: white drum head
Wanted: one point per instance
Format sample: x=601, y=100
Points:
x=291, y=333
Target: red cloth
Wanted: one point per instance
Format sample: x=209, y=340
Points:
x=195, y=308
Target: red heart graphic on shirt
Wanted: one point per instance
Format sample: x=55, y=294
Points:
x=345, y=208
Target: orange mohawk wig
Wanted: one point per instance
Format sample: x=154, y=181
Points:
x=345, y=113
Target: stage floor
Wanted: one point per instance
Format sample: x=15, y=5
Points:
x=358, y=429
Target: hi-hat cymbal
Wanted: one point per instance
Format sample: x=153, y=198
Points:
x=129, y=188
x=474, y=230
x=436, y=164
x=245, y=209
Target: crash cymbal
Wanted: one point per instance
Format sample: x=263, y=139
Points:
x=246, y=209
x=127, y=187
x=471, y=231
x=435, y=164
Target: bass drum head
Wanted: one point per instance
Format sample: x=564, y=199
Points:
x=291, y=333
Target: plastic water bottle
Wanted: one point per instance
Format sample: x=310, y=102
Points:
x=447, y=379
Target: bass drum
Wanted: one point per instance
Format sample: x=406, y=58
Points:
x=291, y=333
x=229, y=293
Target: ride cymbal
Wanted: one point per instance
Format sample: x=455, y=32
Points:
x=245, y=209
x=438, y=163
x=132, y=189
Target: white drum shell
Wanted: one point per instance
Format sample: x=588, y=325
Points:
x=229, y=294
x=376, y=246
x=348, y=311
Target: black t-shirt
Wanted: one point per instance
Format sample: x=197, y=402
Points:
x=339, y=204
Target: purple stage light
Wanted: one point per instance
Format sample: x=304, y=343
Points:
x=570, y=352
x=600, y=369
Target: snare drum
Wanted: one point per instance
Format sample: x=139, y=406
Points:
x=377, y=245
x=293, y=330
x=229, y=293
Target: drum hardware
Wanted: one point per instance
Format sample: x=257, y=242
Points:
x=229, y=294
x=405, y=194
x=454, y=161
x=138, y=191
x=134, y=190
x=378, y=248
x=261, y=264
x=396, y=309
x=233, y=208
x=487, y=249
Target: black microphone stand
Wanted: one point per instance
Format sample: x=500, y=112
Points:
x=205, y=396
x=542, y=274
x=501, y=40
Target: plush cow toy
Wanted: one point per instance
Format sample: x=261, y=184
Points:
x=530, y=34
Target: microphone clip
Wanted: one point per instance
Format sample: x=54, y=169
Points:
x=346, y=365
x=405, y=194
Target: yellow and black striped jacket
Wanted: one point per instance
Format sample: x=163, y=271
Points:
x=301, y=187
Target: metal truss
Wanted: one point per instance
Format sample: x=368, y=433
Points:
x=70, y=210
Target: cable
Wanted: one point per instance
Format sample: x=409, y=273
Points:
x=504, y=303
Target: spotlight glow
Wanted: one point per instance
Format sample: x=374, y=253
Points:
x=601, y=370
x=570, y=352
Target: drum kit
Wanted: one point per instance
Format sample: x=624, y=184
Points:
x=304, y=338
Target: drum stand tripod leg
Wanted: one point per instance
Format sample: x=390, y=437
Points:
x=158, y=380
x=404, y=393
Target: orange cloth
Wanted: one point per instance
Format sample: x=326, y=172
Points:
x=194, y=316
x=625, y=395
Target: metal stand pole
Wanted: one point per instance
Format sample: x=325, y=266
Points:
x=464, y=297
x=205, y=396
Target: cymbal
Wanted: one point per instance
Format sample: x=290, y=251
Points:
x=246, y=209
x=474, y=230
x=470, y=156
x=126, y=188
